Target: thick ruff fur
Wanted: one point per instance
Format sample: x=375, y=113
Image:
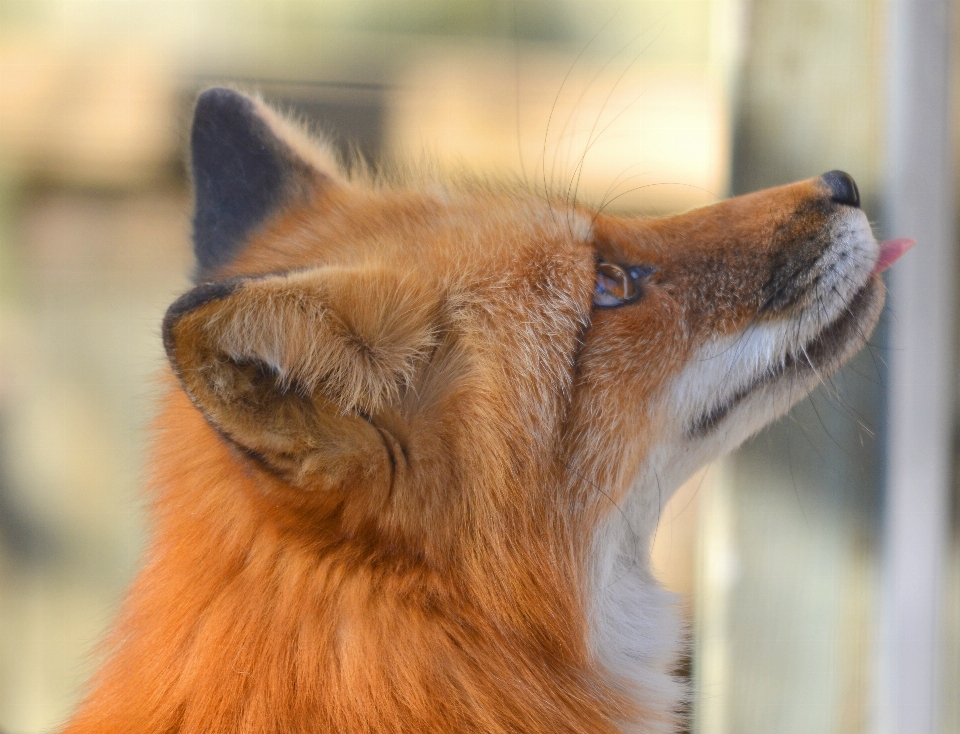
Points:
x=406, y=475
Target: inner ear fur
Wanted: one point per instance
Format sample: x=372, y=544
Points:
x=293, y=368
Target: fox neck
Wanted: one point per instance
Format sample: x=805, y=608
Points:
x=232, y=627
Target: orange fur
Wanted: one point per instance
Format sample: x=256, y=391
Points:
x=398, y=430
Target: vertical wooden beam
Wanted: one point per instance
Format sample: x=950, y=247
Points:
x=920, y=199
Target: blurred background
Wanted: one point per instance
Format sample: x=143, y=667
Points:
x=822, y=600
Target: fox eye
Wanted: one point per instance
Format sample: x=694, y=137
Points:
x=618, y=285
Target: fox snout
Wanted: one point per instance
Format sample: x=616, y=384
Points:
x=760, y=256
x=747, y=305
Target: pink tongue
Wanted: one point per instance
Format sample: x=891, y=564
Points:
x=890, y=252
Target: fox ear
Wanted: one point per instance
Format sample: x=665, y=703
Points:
x=293, y=369
x=247, y=163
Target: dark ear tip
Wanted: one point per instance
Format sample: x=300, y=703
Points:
x=220, y=101
x=194, y=299
x=218, y=113
x=241, y=172
x=213, y=95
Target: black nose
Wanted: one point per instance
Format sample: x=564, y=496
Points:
x=843, y=186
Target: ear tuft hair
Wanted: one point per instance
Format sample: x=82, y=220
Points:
x=356, y=336
x=281, y=364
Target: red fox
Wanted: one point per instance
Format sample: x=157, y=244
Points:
x=415, y=439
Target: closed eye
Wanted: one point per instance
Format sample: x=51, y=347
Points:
x=618, y=285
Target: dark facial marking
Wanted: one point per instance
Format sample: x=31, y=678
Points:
x=798, y=244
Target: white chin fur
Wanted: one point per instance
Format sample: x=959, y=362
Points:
x=844, y=268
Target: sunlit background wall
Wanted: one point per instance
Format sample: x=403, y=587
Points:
x=644, y=106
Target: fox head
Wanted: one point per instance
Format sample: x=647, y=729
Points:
x=481, y=397
x=396, y=356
